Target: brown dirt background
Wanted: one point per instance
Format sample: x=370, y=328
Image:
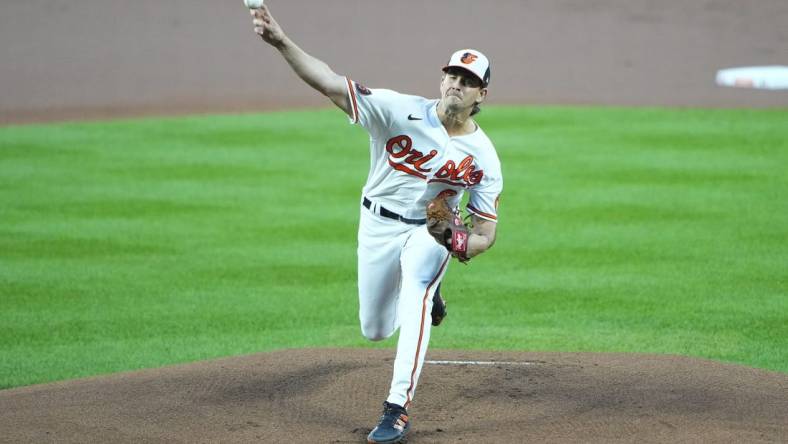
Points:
x=334, y=396
x=96, y=59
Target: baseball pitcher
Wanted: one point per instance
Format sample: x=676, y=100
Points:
x=424, y=154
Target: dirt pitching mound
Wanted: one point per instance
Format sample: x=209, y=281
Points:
x=335, y=396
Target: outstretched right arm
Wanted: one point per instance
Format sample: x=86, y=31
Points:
x=311, y=70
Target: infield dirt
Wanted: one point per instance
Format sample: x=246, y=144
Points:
x=334, y=396
x=97, y=59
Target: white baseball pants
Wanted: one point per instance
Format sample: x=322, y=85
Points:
x=399, y=267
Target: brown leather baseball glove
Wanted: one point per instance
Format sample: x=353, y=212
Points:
x=447, y=228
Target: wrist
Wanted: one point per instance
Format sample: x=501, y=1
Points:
x=456, y=242
x=282, y=44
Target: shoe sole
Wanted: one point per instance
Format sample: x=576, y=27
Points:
x=401, y=440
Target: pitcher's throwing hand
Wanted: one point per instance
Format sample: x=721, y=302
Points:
x=266, y=27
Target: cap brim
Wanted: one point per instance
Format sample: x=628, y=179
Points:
x=464, y=69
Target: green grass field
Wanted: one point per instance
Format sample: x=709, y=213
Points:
x=140, y=243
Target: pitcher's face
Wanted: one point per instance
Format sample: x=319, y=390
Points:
x=460, y=89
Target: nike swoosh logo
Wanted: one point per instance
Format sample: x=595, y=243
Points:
x=410, y=117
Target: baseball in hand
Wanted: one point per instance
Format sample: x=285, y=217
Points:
x=253, y=4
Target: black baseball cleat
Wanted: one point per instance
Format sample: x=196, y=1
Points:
x=438, y=308
x=392, y=427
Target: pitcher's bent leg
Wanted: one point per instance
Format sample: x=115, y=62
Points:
x=379, y=247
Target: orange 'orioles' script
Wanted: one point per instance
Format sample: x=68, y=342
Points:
x=401, y=148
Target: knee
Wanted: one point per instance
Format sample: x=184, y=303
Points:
x=375, y=332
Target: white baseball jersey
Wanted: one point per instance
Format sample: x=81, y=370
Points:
x=413, y=158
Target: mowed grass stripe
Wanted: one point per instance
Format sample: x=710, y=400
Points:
x=140, y=243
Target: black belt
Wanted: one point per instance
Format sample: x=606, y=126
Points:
x=392, y=215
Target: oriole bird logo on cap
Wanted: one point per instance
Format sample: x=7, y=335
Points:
x=468, y=58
